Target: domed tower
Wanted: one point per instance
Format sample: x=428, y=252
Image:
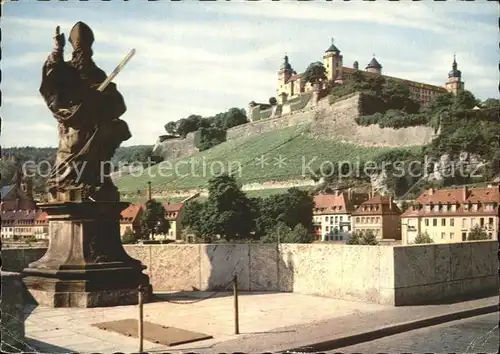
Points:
x=332, y=60
x=284, y=74
x=374, y=66
x=454, y=83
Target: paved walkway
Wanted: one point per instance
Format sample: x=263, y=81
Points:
x=268, y=322
x=62, y=330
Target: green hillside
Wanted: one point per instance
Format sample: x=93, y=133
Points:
x=293, y=144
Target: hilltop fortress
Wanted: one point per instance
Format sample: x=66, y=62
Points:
x=299, y=103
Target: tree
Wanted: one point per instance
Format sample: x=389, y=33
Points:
x=153, y=220
x=362, y=238
x=477, y=233
x=209, y=137
x=315, y=73
x=282, y=233
x=227, y=213
x=171, y=127
x=129, y=236
x=188, y=125
x=292, y=208
x=491, y=103
x=423, y=238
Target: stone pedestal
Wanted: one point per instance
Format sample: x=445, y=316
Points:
x=85, y=264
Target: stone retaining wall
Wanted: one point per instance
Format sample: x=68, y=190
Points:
x=396, y=275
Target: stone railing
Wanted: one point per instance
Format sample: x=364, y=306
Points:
x=396, y=275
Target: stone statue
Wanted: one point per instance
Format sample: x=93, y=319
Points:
x=89, y=126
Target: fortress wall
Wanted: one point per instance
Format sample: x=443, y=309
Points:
x=266, y=125
x=176, y=148
x=336, y=121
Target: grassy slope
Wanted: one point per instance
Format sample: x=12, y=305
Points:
x=292, y=143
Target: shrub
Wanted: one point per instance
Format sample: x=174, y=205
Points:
x=477, y=234
x=423, y=238
x=129, y=236
x=362, y=238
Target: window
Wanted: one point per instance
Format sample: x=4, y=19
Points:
x=443, y=222
x=473, y=222
x=452, y=222
x=452, y=235
x=336, y=219
x=474, y=207
x=328, y=228
x=490, y=235
x=341, y=217
x=426, y=222
x=427, y=207
x=357, y=219
x=436, y=207
x=434, y=222
x=464, y=223
x=490, y=221
x=363, y=220
x=443, y=234
x=481, y=222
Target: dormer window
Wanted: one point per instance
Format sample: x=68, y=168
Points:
x=453, y=207
x=427, y=207
x=436, y=207
x=474, y=207
x=466, y=206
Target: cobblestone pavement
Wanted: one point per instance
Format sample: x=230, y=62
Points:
x=472, y=335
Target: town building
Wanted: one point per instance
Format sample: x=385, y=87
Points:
x=291, y=84
x=19, y=194
x=332, y=214
x=448, y=215
x=130, y=219
x=21, y=224
x=380, y=215
x=173, y=215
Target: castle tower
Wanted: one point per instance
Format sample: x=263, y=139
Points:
x=454, y=83
x=332, y=60
x=374, y=66
x=284, y=74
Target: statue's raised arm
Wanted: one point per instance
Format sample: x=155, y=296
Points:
x=89, y=126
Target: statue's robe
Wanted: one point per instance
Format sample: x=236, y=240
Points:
x=89, y=128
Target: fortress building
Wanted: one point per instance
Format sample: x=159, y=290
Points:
x=290, y=84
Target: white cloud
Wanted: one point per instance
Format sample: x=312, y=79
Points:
x=205, y=66
x=24, y=100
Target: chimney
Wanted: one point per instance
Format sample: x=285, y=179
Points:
x=464, y=194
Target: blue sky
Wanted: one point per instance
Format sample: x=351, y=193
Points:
x=203, y=58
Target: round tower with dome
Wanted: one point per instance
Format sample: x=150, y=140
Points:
x=454, y=83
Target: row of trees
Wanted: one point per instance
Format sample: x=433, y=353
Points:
x=229, y=215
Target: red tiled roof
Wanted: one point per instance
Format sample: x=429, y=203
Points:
x=130, y=214
x=460, y=197
x=378, y=205
x=338, y=203
x=170, y=207
x=294, y=77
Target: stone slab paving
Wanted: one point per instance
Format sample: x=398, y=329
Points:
x=63, y=330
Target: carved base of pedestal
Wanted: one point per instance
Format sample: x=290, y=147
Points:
x=104, y=298
x=85, y=264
